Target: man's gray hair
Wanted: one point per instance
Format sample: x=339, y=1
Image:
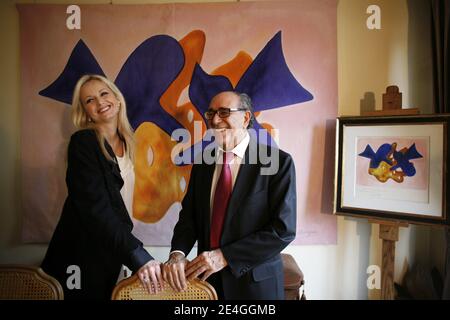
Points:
x=246, y=103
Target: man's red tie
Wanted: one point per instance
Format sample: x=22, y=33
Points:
x=221, y=197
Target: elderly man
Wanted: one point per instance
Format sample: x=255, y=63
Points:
x=241, y=217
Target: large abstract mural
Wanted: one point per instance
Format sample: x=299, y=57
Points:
x=169, y=61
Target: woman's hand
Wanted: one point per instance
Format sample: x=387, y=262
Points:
x=150, y=276
x=173, y=271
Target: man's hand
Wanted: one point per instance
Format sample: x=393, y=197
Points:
x=173, y=271
x=150, y=276
x=208, y=262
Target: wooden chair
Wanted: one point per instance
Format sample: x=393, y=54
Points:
x=18, y=282
x=132, y=289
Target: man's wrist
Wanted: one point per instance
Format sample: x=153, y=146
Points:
x=224, y=261
x=177, y=255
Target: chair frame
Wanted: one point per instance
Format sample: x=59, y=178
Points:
x=193, y=285
x=37, y=274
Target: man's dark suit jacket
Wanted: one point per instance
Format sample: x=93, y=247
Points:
x=260, y=222
x=94, y=230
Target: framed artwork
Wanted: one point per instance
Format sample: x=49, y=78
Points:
x=393, y=168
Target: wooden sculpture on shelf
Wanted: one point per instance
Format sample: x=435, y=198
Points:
x=392, y=105
x=392, y=99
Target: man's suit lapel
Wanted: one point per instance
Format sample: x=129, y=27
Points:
x=205, y=185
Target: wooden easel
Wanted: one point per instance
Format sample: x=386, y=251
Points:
x=389, y=229
x=389, y=234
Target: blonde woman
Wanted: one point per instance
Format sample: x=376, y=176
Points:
x=93, y=237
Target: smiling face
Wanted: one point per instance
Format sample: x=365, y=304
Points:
x=99, y=102
x=231, y=130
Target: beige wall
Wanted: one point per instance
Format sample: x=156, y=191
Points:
x=368, y=61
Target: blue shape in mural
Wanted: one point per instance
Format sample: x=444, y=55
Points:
x=81, y=62
x=267, y=81
x=145, y=76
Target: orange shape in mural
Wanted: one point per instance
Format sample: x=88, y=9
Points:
x=193, y=45
x=159, y=183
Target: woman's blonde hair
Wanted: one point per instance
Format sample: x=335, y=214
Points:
x=81, y=119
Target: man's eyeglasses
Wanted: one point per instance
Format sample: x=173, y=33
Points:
x=222, y=112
